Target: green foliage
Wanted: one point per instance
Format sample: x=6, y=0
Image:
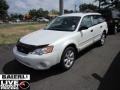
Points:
x=53, y=11
x=68, y=11
x=110, y=3
x=16, y=16
x=84, y=7
x=3, y=9
x=38, y=13
x=33, y=12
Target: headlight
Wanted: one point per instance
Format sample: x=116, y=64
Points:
x=45, y=50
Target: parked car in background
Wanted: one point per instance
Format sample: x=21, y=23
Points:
x=60, y=42
x=1, y=22
x=112, y=16
x=42, y=19
x=17, y=20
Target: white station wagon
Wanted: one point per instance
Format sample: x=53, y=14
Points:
x=61, y=40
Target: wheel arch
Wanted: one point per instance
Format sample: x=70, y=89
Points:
x=71, y=45
x=105, y=32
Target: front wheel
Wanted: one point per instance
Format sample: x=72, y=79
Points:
x=68, y=58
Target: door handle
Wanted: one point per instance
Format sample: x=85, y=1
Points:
x=91, y=30
x=100, y=26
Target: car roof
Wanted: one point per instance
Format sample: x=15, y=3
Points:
x=80, y=14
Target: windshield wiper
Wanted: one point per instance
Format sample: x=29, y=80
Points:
x=53, y=29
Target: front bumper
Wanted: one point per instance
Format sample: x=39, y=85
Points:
x=38, y=62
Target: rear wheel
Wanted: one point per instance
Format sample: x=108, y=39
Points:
x=102, y=40
x=68, y=58
x=115, y=29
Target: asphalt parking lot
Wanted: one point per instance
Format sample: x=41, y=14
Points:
x=97, y=68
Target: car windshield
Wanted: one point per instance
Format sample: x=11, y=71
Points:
x=64, y=23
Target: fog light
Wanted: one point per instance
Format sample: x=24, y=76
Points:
x=43, y=64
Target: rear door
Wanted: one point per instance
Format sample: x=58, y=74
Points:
x=98, y=26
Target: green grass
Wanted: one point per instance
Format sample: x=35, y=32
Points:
x=11, y=40
x=5, y=26
x=10, y=33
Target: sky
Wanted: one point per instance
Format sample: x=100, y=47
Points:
x=23, y=6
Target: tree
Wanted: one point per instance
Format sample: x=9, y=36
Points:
x=3, y=9
x=68, y=11
x=16, y=16
x=109, y=3
x=55, y=12
x=84, y=7
x=33, y=13
x=21, y=16
x=38, y=13
x=42, y=13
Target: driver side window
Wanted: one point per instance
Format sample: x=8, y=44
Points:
x=86, y=22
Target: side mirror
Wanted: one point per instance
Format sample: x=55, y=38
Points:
x=83, y=28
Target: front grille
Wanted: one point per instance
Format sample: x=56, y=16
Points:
x=25, y=48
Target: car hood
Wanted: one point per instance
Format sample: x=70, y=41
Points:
x=43, y=37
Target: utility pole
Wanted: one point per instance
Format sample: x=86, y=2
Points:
x=75, y=8
x=61, y=7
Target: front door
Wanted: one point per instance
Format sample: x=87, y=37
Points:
x=86, y=36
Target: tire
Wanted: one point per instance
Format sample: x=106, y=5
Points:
x=68, y=58
x=115, y=30
x=101, y=42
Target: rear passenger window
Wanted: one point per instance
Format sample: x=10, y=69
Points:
x=87, y=21
x=97, y=19
x=101, y=19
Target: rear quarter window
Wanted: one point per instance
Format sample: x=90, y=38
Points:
x=97, y=19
